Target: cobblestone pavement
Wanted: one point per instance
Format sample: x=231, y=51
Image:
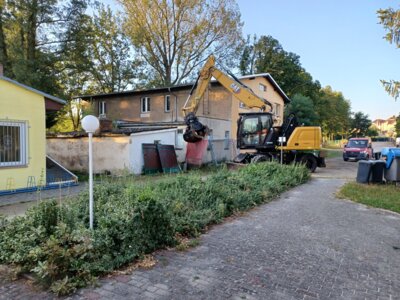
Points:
x=305, y=245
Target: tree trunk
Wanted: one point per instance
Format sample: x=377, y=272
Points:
x=3, y=47
x=31, y=33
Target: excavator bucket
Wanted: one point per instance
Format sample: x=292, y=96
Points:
x=195, y=130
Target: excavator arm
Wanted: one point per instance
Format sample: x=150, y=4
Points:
x=242, y=92
x=196, y=131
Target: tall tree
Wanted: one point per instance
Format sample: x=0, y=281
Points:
x=33, y=31
x=114, y=69
x=333, y=112
x=390, y=19
x=303, y=108
x=3, y=46
x=266, y=55
x=96, y=57
x=176, y=36
x=360, y=124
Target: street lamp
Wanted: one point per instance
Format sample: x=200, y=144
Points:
x=90, y=125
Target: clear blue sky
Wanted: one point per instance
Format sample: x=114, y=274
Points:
x=339, y=43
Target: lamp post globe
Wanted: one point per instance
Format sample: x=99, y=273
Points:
x=90, y=123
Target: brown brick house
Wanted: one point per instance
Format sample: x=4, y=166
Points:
x=218, y=109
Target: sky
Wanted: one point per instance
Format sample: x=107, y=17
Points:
x=340, y=43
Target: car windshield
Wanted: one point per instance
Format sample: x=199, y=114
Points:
x=357, y=144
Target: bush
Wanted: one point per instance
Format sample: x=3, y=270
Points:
x=131, y=220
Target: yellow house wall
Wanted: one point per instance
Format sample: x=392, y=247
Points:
x=19, y=104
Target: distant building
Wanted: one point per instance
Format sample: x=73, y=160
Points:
x=219, y=109
x=386, y=127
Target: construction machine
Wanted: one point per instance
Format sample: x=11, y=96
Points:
x=289, y=143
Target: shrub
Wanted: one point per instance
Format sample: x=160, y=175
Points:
x=131, y=220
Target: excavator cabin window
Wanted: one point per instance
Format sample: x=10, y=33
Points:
x=254, y=129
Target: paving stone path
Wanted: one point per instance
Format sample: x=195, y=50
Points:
x=306, y=245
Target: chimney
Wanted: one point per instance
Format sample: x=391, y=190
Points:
x=1, y=70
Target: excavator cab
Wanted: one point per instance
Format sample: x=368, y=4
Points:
x=255, y=130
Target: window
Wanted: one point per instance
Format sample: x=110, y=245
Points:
x=277, y=109
x=226, y=141
x=13, y=147
x=263, y=88
x=254, y=130
x=242, y=105
x=145, y=104
x=102, y=108
x=167, y=103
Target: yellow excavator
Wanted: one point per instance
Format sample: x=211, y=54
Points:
x=256, y=131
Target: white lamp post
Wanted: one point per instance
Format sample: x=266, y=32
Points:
x=90, y=125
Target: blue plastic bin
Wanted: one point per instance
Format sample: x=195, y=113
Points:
x=392, y=171
x=390, y=153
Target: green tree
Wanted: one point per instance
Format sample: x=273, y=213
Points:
x=390, y=19
x=175, y=37
x=372, y=131
x=333, y=112
x=303, y=108
x=30, y=36
x=397, y=126
x=360, y=124
x=114, y=69
x=266, y=55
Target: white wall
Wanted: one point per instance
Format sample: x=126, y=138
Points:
x=166, y=137
x=122, y=154
x=110, y=154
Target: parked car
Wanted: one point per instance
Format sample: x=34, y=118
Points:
x=398, y=142
x=357, y=149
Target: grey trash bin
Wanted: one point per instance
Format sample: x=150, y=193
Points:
x=393, y=173
x=364, y=171
x=370, y=171
x=377, y=171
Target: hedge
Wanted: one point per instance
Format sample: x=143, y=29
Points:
x=131, y=219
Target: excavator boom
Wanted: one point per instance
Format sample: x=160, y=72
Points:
x=196, y=131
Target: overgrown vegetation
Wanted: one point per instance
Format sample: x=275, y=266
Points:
x=376, y=195
x=131, y=220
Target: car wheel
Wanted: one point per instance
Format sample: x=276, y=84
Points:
x=345, y=159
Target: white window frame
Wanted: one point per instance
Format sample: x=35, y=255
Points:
x=262, y=87
x=145, y=101
x=102, y=108
x=23, y=145
x=167, y=103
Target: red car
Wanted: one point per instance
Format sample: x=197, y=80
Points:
x=358, y=148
